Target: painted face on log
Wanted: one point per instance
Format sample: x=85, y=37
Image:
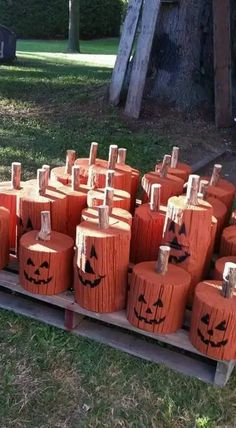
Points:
x=88, y=277
x=37, y=275
x=147, y=312
x=210, y=334
x=27, y=227
x=178, y=241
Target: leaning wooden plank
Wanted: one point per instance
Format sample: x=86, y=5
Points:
x=141, y=58
x=222, y=63
x=223, y=372
x=124, y=51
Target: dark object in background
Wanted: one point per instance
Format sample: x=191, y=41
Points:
x=7, y=44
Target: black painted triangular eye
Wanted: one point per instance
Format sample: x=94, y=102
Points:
x=30, y=262
x=172, y=227
x=45, y=265
x=205, y=319
x=158, y=303
x=93, y=252
x=29, y=224
x=88, y=267
x=221, y=326
x=141, y=299
x=182, y=230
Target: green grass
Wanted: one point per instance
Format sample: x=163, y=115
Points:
x=50, y=102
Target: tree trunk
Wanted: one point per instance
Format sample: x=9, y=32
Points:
x=73, y=34
x=181, y=66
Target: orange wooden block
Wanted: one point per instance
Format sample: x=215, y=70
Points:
x=224, y=191
x=228, y=242
x=213, y=322
x=91, y=214
x=46, y=267
x=121, y=198
x=182, y=170
x=219, y=266
x=102, y=262
x=4, y=237
x=156, y=302
x=63, y=173
x=170, y=186
x=220, y=213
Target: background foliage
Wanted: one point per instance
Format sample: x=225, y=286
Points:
x=49, y=19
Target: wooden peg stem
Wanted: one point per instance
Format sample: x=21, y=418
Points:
x=70, y=160
x=42, y=181
x=229, y=280
x=92, y=178
x=103, y=215
x=163, y=259
x=93, y=153
x=108, y=198
x=110, y=178
x=122, y=156
x=174, y=157
x=203, y=187
x=45, y=231
x=113, y=153
x=75, y=181
x=165, y=165
x=192, y=190
x=216, y=175
x=15, y=175
x=155, y=197
x=47, y=169
x=233, y=218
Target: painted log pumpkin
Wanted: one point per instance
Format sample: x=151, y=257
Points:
x=42, y=198
x=63, y=173
x=170, y=184
x=4, y=237
x=121, y=198
x=179, y=169
x=102, y=263
x=213, y=320
x=220, y=188
x=188, y=231
x=220, y=265
x=157, y=299
x=228, y=242
x=46, y=260
x=91, y=214
x=147, y=228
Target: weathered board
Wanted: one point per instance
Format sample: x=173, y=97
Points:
x=222, y=63
x=141, y=58
x=124, y=51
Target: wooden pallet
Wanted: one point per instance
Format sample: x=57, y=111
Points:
x=174, y=350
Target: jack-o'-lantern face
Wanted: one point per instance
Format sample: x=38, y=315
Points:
x=147, y=312
x=209, y=334
x=37, y=275
x=176, y=238
x=88, y=277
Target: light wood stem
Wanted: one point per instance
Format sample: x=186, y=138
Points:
x=93, y=153
x=229, y=280
x=42, y=181
x=45, y=231
x=192, y=190
x=233, y=218
x=103, y=215
x=110, y=178
x=108, y=198
x=165, y=165
x=122, y=156
x=216, y=175
x=163, y=259
x=47, y=169
x=75, y=181
x=70, y=160
x=174, y=157
x=155, y=201
x=15, y=175
x=92, y=178
x=203, y=187
x=113, y=153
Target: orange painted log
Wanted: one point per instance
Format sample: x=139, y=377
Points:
x=219, y=266
x=63, y=173
x=182, y=170
x=91, y=214
x=220, y=213
x=220, y=188
x=46, y=266
x=170, y=186
x=211, y=248
x=4, y=237
x=213, y=322
x=102, y=262
x=156, y=302
x=121, y=198
x=188, y=231
x=228, y=242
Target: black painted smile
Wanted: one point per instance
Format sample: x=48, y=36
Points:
x=91, y=284
x=154, y=321
x=37, y=281
x=210, y=342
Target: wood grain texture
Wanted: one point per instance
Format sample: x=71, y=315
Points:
x=121, y=198
x=224, y=191
x=219, y=266
x=182, y=170
x=228, y=242
x=91, y=214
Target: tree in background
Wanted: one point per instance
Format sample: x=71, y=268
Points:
x=73, y=31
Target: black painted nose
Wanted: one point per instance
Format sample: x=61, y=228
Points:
x=210, y=332
x=148, y=311
x=37, y=272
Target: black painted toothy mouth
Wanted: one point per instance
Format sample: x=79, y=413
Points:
x=210, y=342
x=88, y=283
x=151, y=322
x=37, y=281
x=181, y=259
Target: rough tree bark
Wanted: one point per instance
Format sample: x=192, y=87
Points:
x=73, y=32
